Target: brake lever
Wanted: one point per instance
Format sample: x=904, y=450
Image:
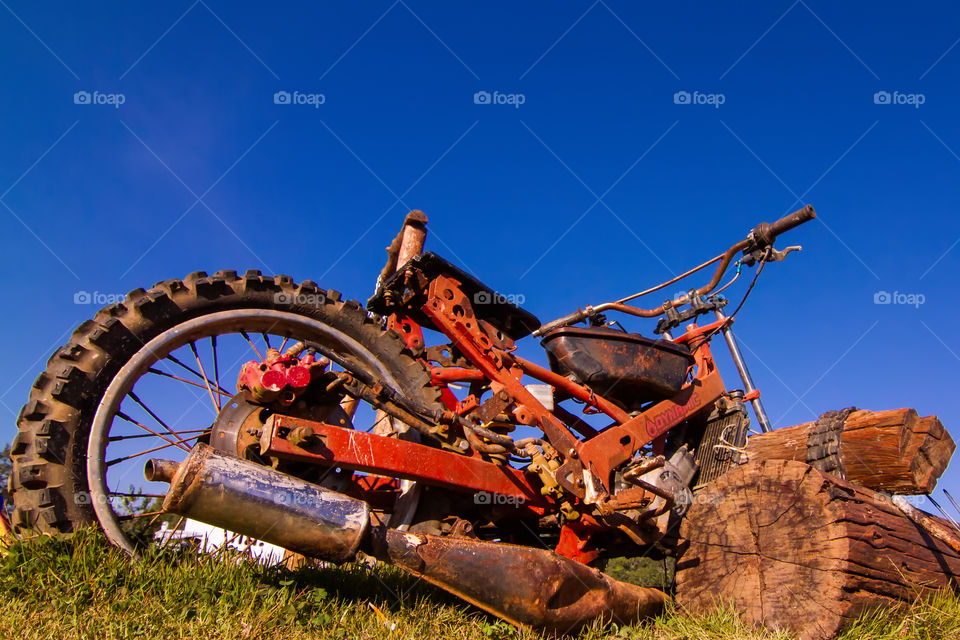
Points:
x=777, y=256
x=772, y=255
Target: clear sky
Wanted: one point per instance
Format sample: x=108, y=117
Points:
x=566, y=152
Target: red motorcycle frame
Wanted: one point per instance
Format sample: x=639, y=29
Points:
x=573, y=472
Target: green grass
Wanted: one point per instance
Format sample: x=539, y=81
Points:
x=80, y=587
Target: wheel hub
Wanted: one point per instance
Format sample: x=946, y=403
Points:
x=238, y=427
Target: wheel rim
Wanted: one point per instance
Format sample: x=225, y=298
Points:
x=111, y=505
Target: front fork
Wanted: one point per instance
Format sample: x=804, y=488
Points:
x=752, y=393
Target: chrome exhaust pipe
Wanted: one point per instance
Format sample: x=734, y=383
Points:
x=262, y=503
x=160, y=470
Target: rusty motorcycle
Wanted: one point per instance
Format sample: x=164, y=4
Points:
x=409, y=428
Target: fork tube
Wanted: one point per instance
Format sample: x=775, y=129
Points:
x=748, y=385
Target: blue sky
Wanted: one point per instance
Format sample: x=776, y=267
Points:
x=602, y=181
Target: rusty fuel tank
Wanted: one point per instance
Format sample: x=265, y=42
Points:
x=626, y=368
x=523, y=585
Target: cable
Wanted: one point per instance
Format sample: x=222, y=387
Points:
x=735, y=277
x=671, y=281
x=763, y=262
x=756, y=276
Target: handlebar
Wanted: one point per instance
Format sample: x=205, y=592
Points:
x=761, y=237
x=765, y=234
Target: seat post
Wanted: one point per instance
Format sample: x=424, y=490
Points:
x=413, y=236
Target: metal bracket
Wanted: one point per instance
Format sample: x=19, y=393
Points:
x=698, y=306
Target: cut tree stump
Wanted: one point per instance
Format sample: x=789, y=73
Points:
x=798, y=549
x=894, y=451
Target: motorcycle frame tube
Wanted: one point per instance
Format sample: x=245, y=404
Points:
x=450, y=312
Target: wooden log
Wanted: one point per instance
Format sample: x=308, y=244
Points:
x=894, y=451
x=801, y=550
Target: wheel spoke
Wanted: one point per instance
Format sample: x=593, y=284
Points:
x=266, y=339
x=132, y=516
x=136, y=495
x=173, y=531
x=283, y=344
x=213, y=399
x=152, y=414
x=219, y=390
x=250, y=342
x=124, y=416
x=148, y=435
x=173, y=359
x=110, y=463
x=216, y=370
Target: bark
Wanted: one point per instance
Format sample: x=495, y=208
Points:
x=798, y=549
x=894, y=451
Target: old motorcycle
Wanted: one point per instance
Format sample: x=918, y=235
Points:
x=409, y=428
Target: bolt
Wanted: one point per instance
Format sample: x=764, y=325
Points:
x=300, y=436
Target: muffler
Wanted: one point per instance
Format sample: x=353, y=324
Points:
x=523, y=585
x=262, y=503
